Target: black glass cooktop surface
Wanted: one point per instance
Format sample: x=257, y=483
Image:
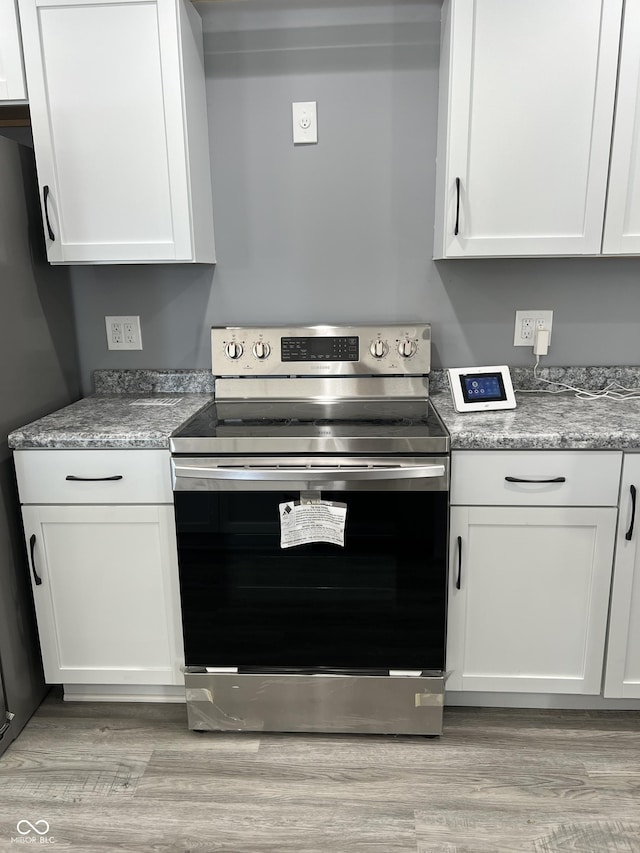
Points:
x=386, y=426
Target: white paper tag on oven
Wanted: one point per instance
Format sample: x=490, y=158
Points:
x=304, y=523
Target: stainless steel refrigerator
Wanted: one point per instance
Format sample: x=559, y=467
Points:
x=38, y=374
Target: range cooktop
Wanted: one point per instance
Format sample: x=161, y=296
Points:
x=339, y=427
x=318, y=389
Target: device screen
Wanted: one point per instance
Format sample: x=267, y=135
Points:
x=482, y=386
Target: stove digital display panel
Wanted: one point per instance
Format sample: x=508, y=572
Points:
x=335, y=348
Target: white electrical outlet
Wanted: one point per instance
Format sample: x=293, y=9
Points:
x=123, y=332
x=305, y=122
x=527, y=322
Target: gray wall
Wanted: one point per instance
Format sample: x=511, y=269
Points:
x=39, y=374
x=342, y=230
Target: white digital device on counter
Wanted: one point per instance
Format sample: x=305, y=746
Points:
x=481, y=389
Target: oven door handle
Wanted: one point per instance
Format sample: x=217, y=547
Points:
x=317, y=473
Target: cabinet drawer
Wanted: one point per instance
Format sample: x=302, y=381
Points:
x=582, y=478
x=140, y=476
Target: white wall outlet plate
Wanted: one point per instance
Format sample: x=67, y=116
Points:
x=305, y=122
x=527, y=322
x=123, y=332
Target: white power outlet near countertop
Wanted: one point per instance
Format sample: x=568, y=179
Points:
x=527, y=323
x=123, y=332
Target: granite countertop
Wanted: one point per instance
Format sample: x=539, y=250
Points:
x=130, y=409
x=543, y=420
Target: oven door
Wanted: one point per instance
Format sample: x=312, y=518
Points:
x=375, y=604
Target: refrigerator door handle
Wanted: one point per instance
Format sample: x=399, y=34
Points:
x=32, y=547
x=7, y=725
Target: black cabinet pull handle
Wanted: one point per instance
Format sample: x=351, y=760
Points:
x=45, y=195
x=457, y=226
x=32, y=548
x=459, y=578
x=92, y=479
x=523, y=480
x=629, y=532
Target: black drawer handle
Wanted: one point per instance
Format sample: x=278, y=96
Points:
x=457, y=225
x=459, y=578
x=45, y=195
x=629, y=532
x=523, y=480
x=75, y=479
x=32, y=548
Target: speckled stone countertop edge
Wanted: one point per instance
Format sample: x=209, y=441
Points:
x=587, y=378
x=202, y=381
x=152, y=381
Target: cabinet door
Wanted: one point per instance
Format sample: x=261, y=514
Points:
x=12, y=87
x=105, y=588
x=526, y=107
x=622, y=224
x=623, y=650
x=530, y=613
x=109, y=119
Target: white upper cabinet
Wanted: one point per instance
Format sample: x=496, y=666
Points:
x=527, y=94
x=622, y=224
x=118, y=112
x=12, y=86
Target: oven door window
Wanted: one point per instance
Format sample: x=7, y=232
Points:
x=376, y=603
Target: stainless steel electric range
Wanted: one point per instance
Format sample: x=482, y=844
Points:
x=312, y=512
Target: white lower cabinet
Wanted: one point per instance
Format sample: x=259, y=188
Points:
x=529, y=584
x=104, y=575
x=623, y=653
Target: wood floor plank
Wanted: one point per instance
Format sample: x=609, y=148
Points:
x=123, y=726
x=420, y=754
x=542, y=718
x=470, y=831
x=600, y=835
x=70, y=775
x=167, y=777
x=144, y=827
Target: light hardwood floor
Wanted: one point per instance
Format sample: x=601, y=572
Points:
x=128, y=777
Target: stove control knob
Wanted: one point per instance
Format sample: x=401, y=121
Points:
x=407, y=348
x=378, y=349
x=261, y=350
x=233, y=350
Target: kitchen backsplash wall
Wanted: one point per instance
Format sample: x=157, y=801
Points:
x=343, y=230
